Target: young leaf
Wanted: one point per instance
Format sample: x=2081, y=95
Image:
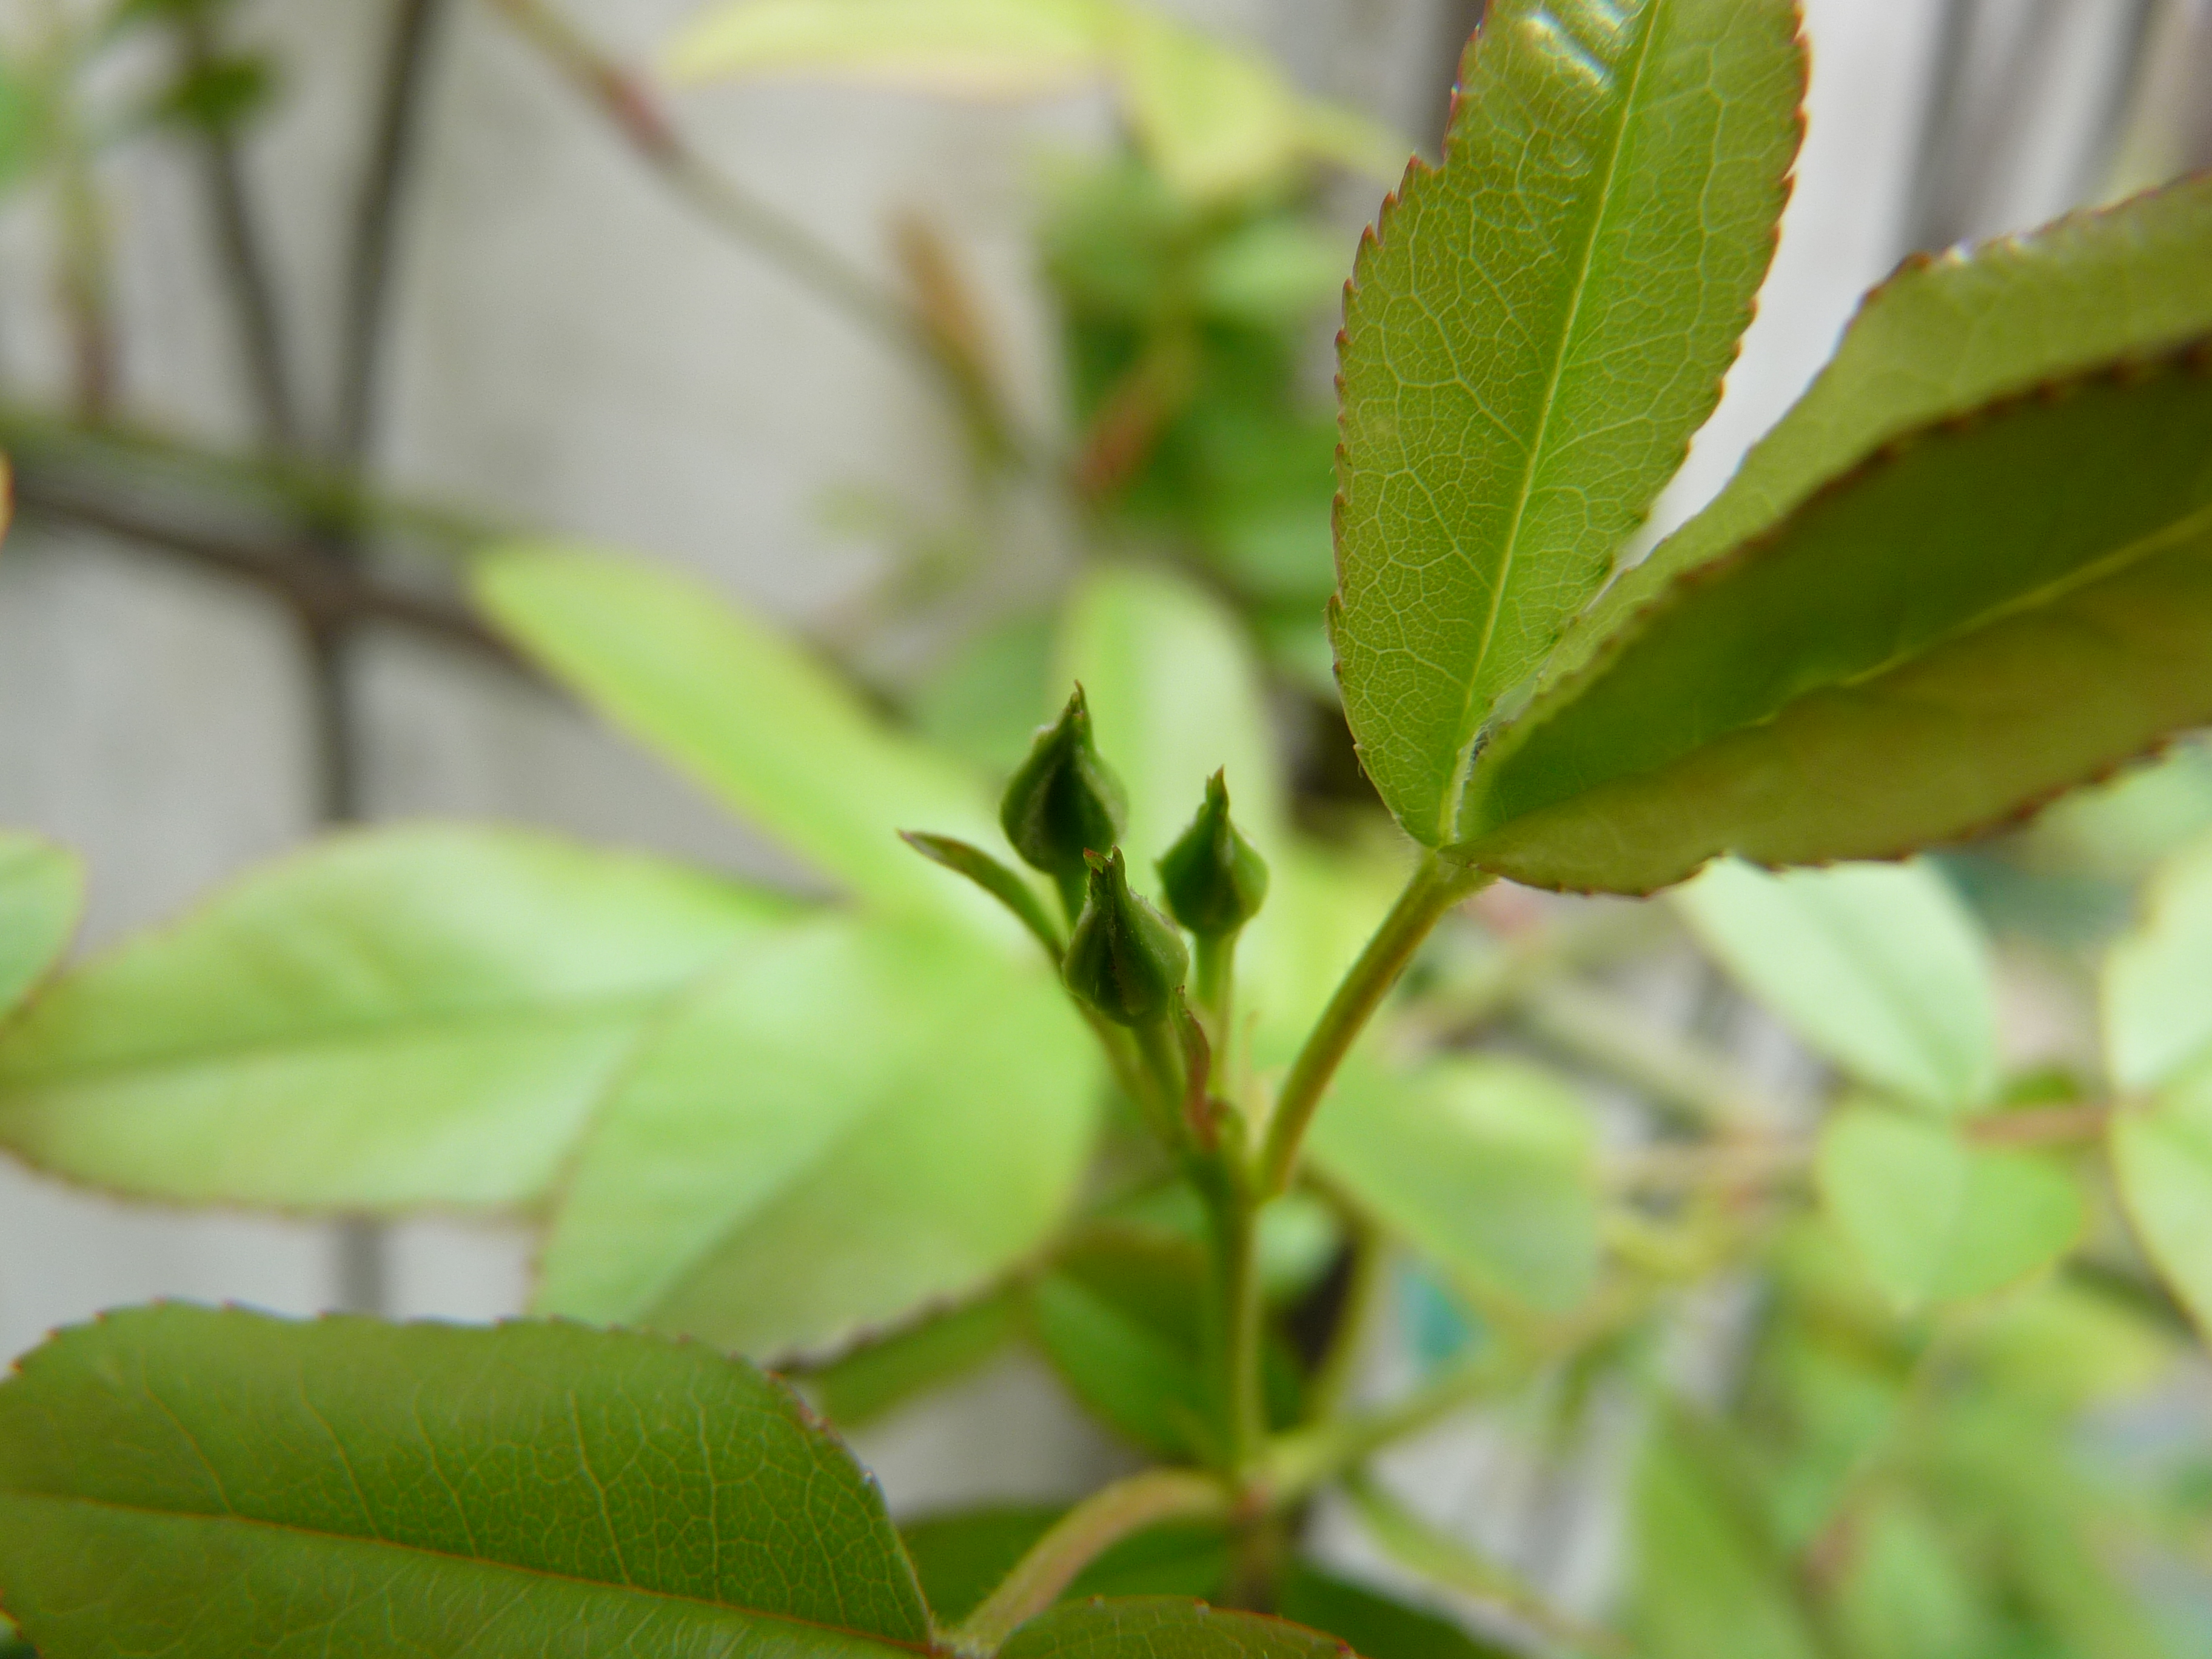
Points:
x=2162, y=1159
x=1935, y=1218
x=849, y=1122
x=41, y=899
x=2031, y=588
x=1485, y=1166
x=739, y=707
x=1157, y=1627
x=212, y=1484
x=1879, y=967
x=1119, y=1317
x=996, y=878
x=1532, y=332
x=1372, y=1625
x=2157, y=983
x=419, y=1016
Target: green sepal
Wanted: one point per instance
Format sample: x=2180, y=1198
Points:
x=1213, y=879
x=1124, y=960
x=994, y=879
x=1063, y=801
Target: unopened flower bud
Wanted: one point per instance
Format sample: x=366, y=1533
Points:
x=1125, y=959
x=1063, y=802
x=1213, y=879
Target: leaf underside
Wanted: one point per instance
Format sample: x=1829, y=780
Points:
x=417, y=1016
x=212, y=1483
x=1534, y=331
x=1985, y=615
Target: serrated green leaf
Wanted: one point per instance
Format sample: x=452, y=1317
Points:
x=1534, y=331
x=2162, y=1159
x=41, y=901
x=1947, y=336
x=1486, y=1166
x=850, y=1121
x=1153, y=1627
x=212, y=1483
x=2157, y=982
x=1879, y=967
x=738, y=707
x=2031, y=589
x=1936, y=1218
x=418, y=1015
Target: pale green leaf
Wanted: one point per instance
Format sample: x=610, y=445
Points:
x=1980, y=618
x=1879, y=967
x=41, y=900
x=1708, y=1579
x=1936, y=1218
x=847, y=1122
x=207, y=1484
x=417, y=1016
x=1534, y=330
x=748, y=714
x=2157, y=984
x=993, y=47
x=1486, y=1166
x=1174, y=696
x=2162, y=1158
x=1214, y=120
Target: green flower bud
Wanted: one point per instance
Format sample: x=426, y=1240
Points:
x=1213, y=878
x=1063, y=802
x=1124, y=959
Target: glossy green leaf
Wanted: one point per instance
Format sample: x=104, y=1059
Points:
x=1150, y=1627
x=1486, y=1166
x=1534, y=330
x=882, y=1372
x=417, y=1016
x=1879, y=967
x=745, y=712
x=1936, y=1218
x=41, y=900
x=2157, y=984
x=212, y=1483
x=2162, y=1158
x=2031, y=589
x=1947, y=336
x=849, y=1122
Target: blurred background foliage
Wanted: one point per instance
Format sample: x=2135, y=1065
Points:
x=1829, y=1446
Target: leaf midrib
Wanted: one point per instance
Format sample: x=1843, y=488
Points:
x=1469, y=728
x=190, y=1517
x=433, y=1024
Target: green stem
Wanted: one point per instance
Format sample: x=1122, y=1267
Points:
x=1161, y=1057
x=1298, y=1463
x=1235, y=1324
x=1216, y=980
x=1077, y=1539
x=1433, y=890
